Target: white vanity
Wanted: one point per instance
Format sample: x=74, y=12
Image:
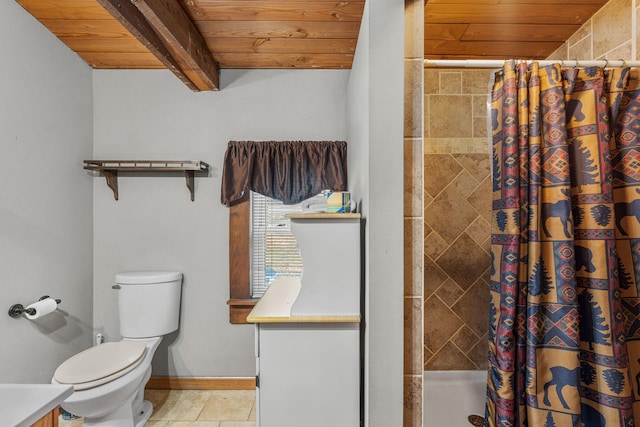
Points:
x=308, y=350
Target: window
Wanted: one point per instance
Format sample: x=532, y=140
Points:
x=242, y=297
x=274, y=251
x=307, y=167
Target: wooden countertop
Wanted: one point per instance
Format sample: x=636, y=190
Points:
x=275, y=306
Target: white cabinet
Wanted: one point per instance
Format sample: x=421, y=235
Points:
x=309, y=375
x=308, y=332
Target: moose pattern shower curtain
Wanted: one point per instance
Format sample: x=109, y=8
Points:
x=564, y=329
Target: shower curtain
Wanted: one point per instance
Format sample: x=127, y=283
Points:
x=564, y=330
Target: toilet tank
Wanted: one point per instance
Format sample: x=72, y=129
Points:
x=148, y=302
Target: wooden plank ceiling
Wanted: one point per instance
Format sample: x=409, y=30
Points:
x=238, y=34
x=502, y=29
x=196, y=38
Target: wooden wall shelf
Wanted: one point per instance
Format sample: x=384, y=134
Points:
x=110, y=169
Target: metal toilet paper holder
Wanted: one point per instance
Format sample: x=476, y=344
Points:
x=17, y=309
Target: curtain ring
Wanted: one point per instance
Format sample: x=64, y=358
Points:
x=624, y=63
x=577, y=63
x=606, y=63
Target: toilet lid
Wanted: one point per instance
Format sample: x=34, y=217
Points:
x=105, y=361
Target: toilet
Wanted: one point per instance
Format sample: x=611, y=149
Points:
x=109, y=379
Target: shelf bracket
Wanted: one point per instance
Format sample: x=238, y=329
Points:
x=112, y=181
x=189, y=175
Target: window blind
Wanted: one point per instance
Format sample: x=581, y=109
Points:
x=274, y=251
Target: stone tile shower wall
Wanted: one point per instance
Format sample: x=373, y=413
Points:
x=613, y=33
x=457, y=210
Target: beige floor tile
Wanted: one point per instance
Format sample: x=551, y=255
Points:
x=238, y=424
x=156, y=397
x=192, y=424
x=252, y=415
x=229, y=405
x=196, y=408
x=181, y=405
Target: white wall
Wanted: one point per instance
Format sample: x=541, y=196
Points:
x=358, y=118
x=45, y=197
x=154, y=225
x=375, y=107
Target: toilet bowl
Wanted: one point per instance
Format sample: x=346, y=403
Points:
x=109, y=401
x=109, y=379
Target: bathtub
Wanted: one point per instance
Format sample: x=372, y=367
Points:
x=451, y=396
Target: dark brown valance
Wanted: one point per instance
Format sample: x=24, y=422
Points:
x=289, y=171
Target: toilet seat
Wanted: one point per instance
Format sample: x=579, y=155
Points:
x=100, y=364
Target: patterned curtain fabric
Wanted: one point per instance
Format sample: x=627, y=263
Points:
x=289, y=171
x=564, y=336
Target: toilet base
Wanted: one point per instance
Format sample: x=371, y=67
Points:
x=121, y=417
x=144, y=414
x=139, y=419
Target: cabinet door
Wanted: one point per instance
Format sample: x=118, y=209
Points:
x=49, y=420
x=309, y=375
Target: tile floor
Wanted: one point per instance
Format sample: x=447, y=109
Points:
x=197, y=408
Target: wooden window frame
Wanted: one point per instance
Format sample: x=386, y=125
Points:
x=240, y=302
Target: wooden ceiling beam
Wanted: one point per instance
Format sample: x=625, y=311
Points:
x=132, y=19
x=183, y=40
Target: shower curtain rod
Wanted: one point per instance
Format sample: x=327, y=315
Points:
x=498, y=63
